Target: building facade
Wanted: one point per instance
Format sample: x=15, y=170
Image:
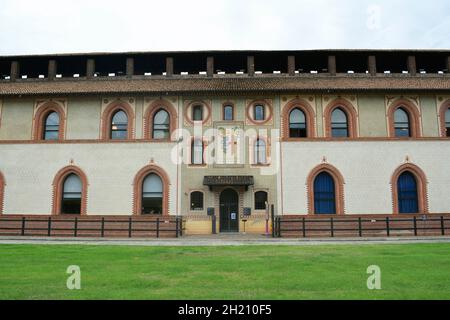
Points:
x=224, y=136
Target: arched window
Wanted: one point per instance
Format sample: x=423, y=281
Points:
x=152, y=194
x=324, y=194
x=196, y=200
x=260, y=152
x=161, y=125
x=197, y=151
x=260, y=200
x=297, y=124
x=228, y=112
x=339, y=123
x=71, y=197
x=447, y=122
x=401, y=123
x=407, y=193
x=259, y=112
x=197, y=113
x=51, y=126
x=119, y=125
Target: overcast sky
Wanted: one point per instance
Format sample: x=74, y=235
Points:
x=64, y=26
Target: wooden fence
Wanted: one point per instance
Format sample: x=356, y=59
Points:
x=91, y=226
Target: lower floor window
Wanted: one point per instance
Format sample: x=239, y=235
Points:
x=260, y=200
x=71, y=200
x=152, y=194
x=197, y=200
x=324, y=194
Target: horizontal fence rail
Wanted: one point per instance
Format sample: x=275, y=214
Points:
x=384, y=226
x=82, y=226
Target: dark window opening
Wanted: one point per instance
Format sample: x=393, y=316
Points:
x=258, y=113
x=260, y=152
x=401, y=123
x=324, y=194
x=51, y=126
x=152, y=194
x=407, y=193
x=197, y=200
x=297, y=124
x=339, y=124
x=260, y=200
x=71, y=200
x=228, y=113
x=197, y=113
x=161, y=125
x=447, y=122
x=119, y=126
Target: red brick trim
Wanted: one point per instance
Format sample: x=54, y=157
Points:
x=413, y=114
x=107, y=115
x=338, y=185
x=137, y=188
x=422, y=182
x=268, y=111
x=39, y=120
x=304, y=106
x=152, y=109
x=233, y=107
x=58, y=184
x=2, y=191
x=188, y=111
x=349, y=110
x=444, y=107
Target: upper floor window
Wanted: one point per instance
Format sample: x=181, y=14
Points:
x=119, y=125
x=260, y=152
x=401, y=123
x=152, y=194
x=297, y=124
x=197, y=151
x=72, y=190
x=447, y=122
x=51, y=126
x=260, y=200
x=161, y=125
x=196, y=200
x=259, y=112
x=228, y=113
x=339, y=123
x=197, y=113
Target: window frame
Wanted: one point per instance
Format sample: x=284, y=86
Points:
x=257, y=207
x=191, y=201
x=167, y=130
x=107, y=116
x=305, y=123
x=339, y=125
x=193, y=152
x=124, y=126
x=224, y=112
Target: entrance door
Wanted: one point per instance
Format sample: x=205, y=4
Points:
x=229, y=215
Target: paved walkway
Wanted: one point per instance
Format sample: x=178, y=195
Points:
x=220, y=240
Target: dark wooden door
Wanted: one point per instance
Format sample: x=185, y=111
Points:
x=229, y=215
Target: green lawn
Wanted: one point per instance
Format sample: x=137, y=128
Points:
x=409, y=271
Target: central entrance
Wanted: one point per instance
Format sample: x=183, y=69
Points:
x=229, y=215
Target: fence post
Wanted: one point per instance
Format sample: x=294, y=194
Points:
x=387, y=227
x=157, y=227
x=181, y=226
x=176, y=227
x=272, y=217
x=130, y=222
x=103, y=227
x=442, y=226
x=75, y=228
x=360, y=226
x=304, y=227
x=49, y=228
x=332, y=227
x=415, y=225
x=23, y=226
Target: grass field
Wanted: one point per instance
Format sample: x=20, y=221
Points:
x=408, y=271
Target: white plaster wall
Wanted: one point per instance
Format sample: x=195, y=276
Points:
x=367, y=168
x=29, y=170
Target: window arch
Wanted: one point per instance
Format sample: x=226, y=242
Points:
x=325, y=186
x=117, y=121
x=196, y=203
x=409, y=190
x=444, y=116
x=70, y=191
x=339, y=124
x=2, y=191
x=150, y=180
x=49, y=122
x=295, y=124
x=340, y=119
x=259, y=112
x=403, y=120
x=156, y=125
x=447, y=122
x=260, y=200
x=197, y=151
x=260, y=152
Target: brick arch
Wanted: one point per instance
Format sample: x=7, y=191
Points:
x=338, y=187
x=2, y=191
x=40, y=116
x=304, y=106
x=349, y=110
x=413, y=114
x=137, y=188
x=444, y=107
x=152, y=109
x=188, y=111
x=268, y=111
x=421, y=180
x=58, y=185
x=108, y=113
